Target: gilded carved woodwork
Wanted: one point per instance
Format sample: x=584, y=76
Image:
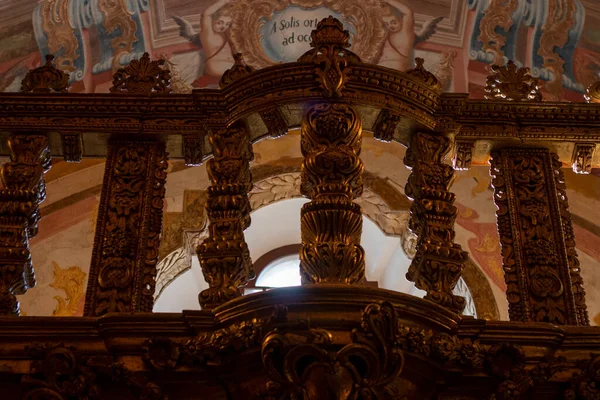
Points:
x=46, y=79
x=123, y=267
x=463, y=154
x=72, y=147
x=510, y=82
x=438, y=261
x=142, y=76
x=592, y=93
x=23, y=191
x=540, y=263
x=330, y=43
x=224, y=255
x=331, y=223
x=385, y=125
x=193, y=149
x=582, y=157
x=238, y=71
x=276, y=123
x=497, y=15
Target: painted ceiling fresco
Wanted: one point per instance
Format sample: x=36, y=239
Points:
x=459, y=39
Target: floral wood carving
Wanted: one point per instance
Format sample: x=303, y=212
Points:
x=276, y=123
x=331, y=223
x=193, y=149
x=224, y=255
x=438, y=262
x=239, y=70
x=142, y=77
x=123, y=268
x=330, y=53
x=305, y=365
x=464, y=154
x=540, y=263
x=72, y=281
x=512, y=83
x=385, y=125
x=72, y=147
x=582, y=158
x=46, y=79
x=24, y=190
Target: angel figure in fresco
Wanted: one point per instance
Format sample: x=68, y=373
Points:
x=397, y=51
x=213, y=39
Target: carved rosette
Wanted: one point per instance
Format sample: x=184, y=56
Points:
x=224, y=255
x=541, y=268
x=331, y=224
x=142, y=76
x=24, y=190
x=330, y=43
x=123, y=268
x=438, y=261
x=510, y=82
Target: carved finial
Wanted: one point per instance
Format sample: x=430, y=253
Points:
x=330, y=53
x=46, y=79
x=142, y=76
x=510, y=82
x=419, y=72
x=239, y=70
x=592, y=93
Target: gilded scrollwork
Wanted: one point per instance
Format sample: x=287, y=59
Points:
x=582, y=157
x=331, y=224
x=60, y=33
x=118, y=18
x=540, y=263
x=497, y=15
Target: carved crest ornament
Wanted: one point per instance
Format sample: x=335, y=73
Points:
x=332, y=338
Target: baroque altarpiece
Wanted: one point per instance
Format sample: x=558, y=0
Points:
x=333, y=337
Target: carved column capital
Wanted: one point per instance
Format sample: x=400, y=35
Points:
x=224, y=255
x=438, y=262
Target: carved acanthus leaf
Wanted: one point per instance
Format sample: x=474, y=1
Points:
x=142, y=77
x=46, y=79
x=510, y=82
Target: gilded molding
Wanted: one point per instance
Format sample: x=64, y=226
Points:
x=536, y=234
x=123, y=268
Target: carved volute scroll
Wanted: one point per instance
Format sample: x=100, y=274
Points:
x=510, y=82
x=123, y=268
x=142, y=77
x=224, y=255
x=330, y=53
x=24, y=190
x=541, y=268
x=46, y=79
x=331, y=223
x=439, y=261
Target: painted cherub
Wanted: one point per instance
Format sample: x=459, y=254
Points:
x=397, y=51
x=213, y=38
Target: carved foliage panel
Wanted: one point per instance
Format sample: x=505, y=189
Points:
x=538, y=247
x=127, y=239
